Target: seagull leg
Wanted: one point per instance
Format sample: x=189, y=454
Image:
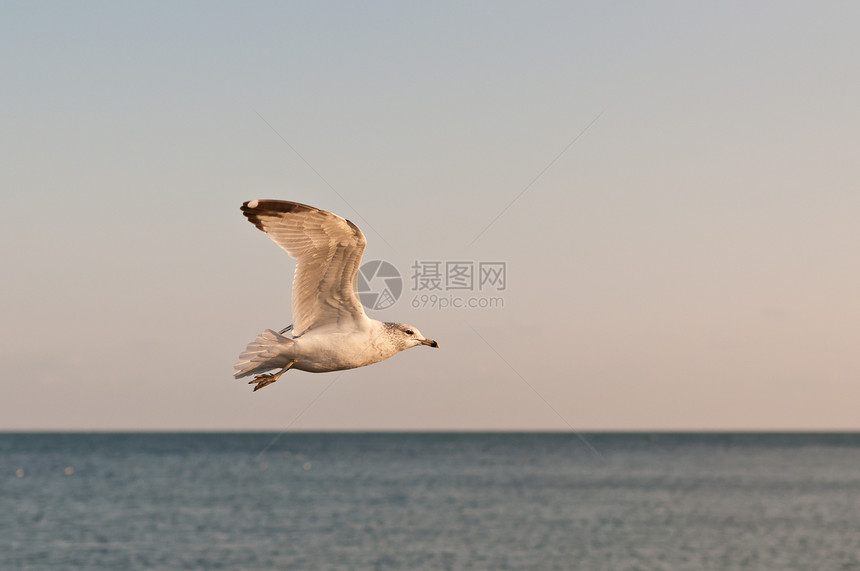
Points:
x=267, y=379
x=285, y=329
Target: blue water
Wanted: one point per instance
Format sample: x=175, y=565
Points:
x=430, y=501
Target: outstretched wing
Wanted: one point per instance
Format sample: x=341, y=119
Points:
x=327, y=249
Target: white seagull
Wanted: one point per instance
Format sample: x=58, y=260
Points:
x=330, y=331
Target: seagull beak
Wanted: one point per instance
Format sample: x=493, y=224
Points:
x=429, y=342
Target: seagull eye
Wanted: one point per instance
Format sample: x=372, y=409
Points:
x=410, y=332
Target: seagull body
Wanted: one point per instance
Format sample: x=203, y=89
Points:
x=330, y=331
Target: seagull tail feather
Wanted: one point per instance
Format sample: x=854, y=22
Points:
x=261, y=354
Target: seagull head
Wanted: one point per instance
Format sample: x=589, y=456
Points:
x=414, y=337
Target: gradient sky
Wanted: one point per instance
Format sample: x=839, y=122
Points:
x=692, y=261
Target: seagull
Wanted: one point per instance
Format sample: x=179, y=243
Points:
x=330, y=331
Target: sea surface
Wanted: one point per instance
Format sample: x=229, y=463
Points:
x=430, y=501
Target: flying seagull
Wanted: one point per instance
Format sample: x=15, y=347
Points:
x=330, y=331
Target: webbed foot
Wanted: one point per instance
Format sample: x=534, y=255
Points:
x=263, y=380
x=267, y=379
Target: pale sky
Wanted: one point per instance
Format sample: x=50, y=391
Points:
x=691, y=262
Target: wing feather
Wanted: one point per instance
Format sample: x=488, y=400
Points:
x=328, y=251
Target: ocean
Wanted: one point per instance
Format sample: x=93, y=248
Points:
x=430, y=501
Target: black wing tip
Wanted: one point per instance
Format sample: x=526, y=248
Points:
x=254, y=209
x=268, y=205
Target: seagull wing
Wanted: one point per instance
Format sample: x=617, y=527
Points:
x=327, y=249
